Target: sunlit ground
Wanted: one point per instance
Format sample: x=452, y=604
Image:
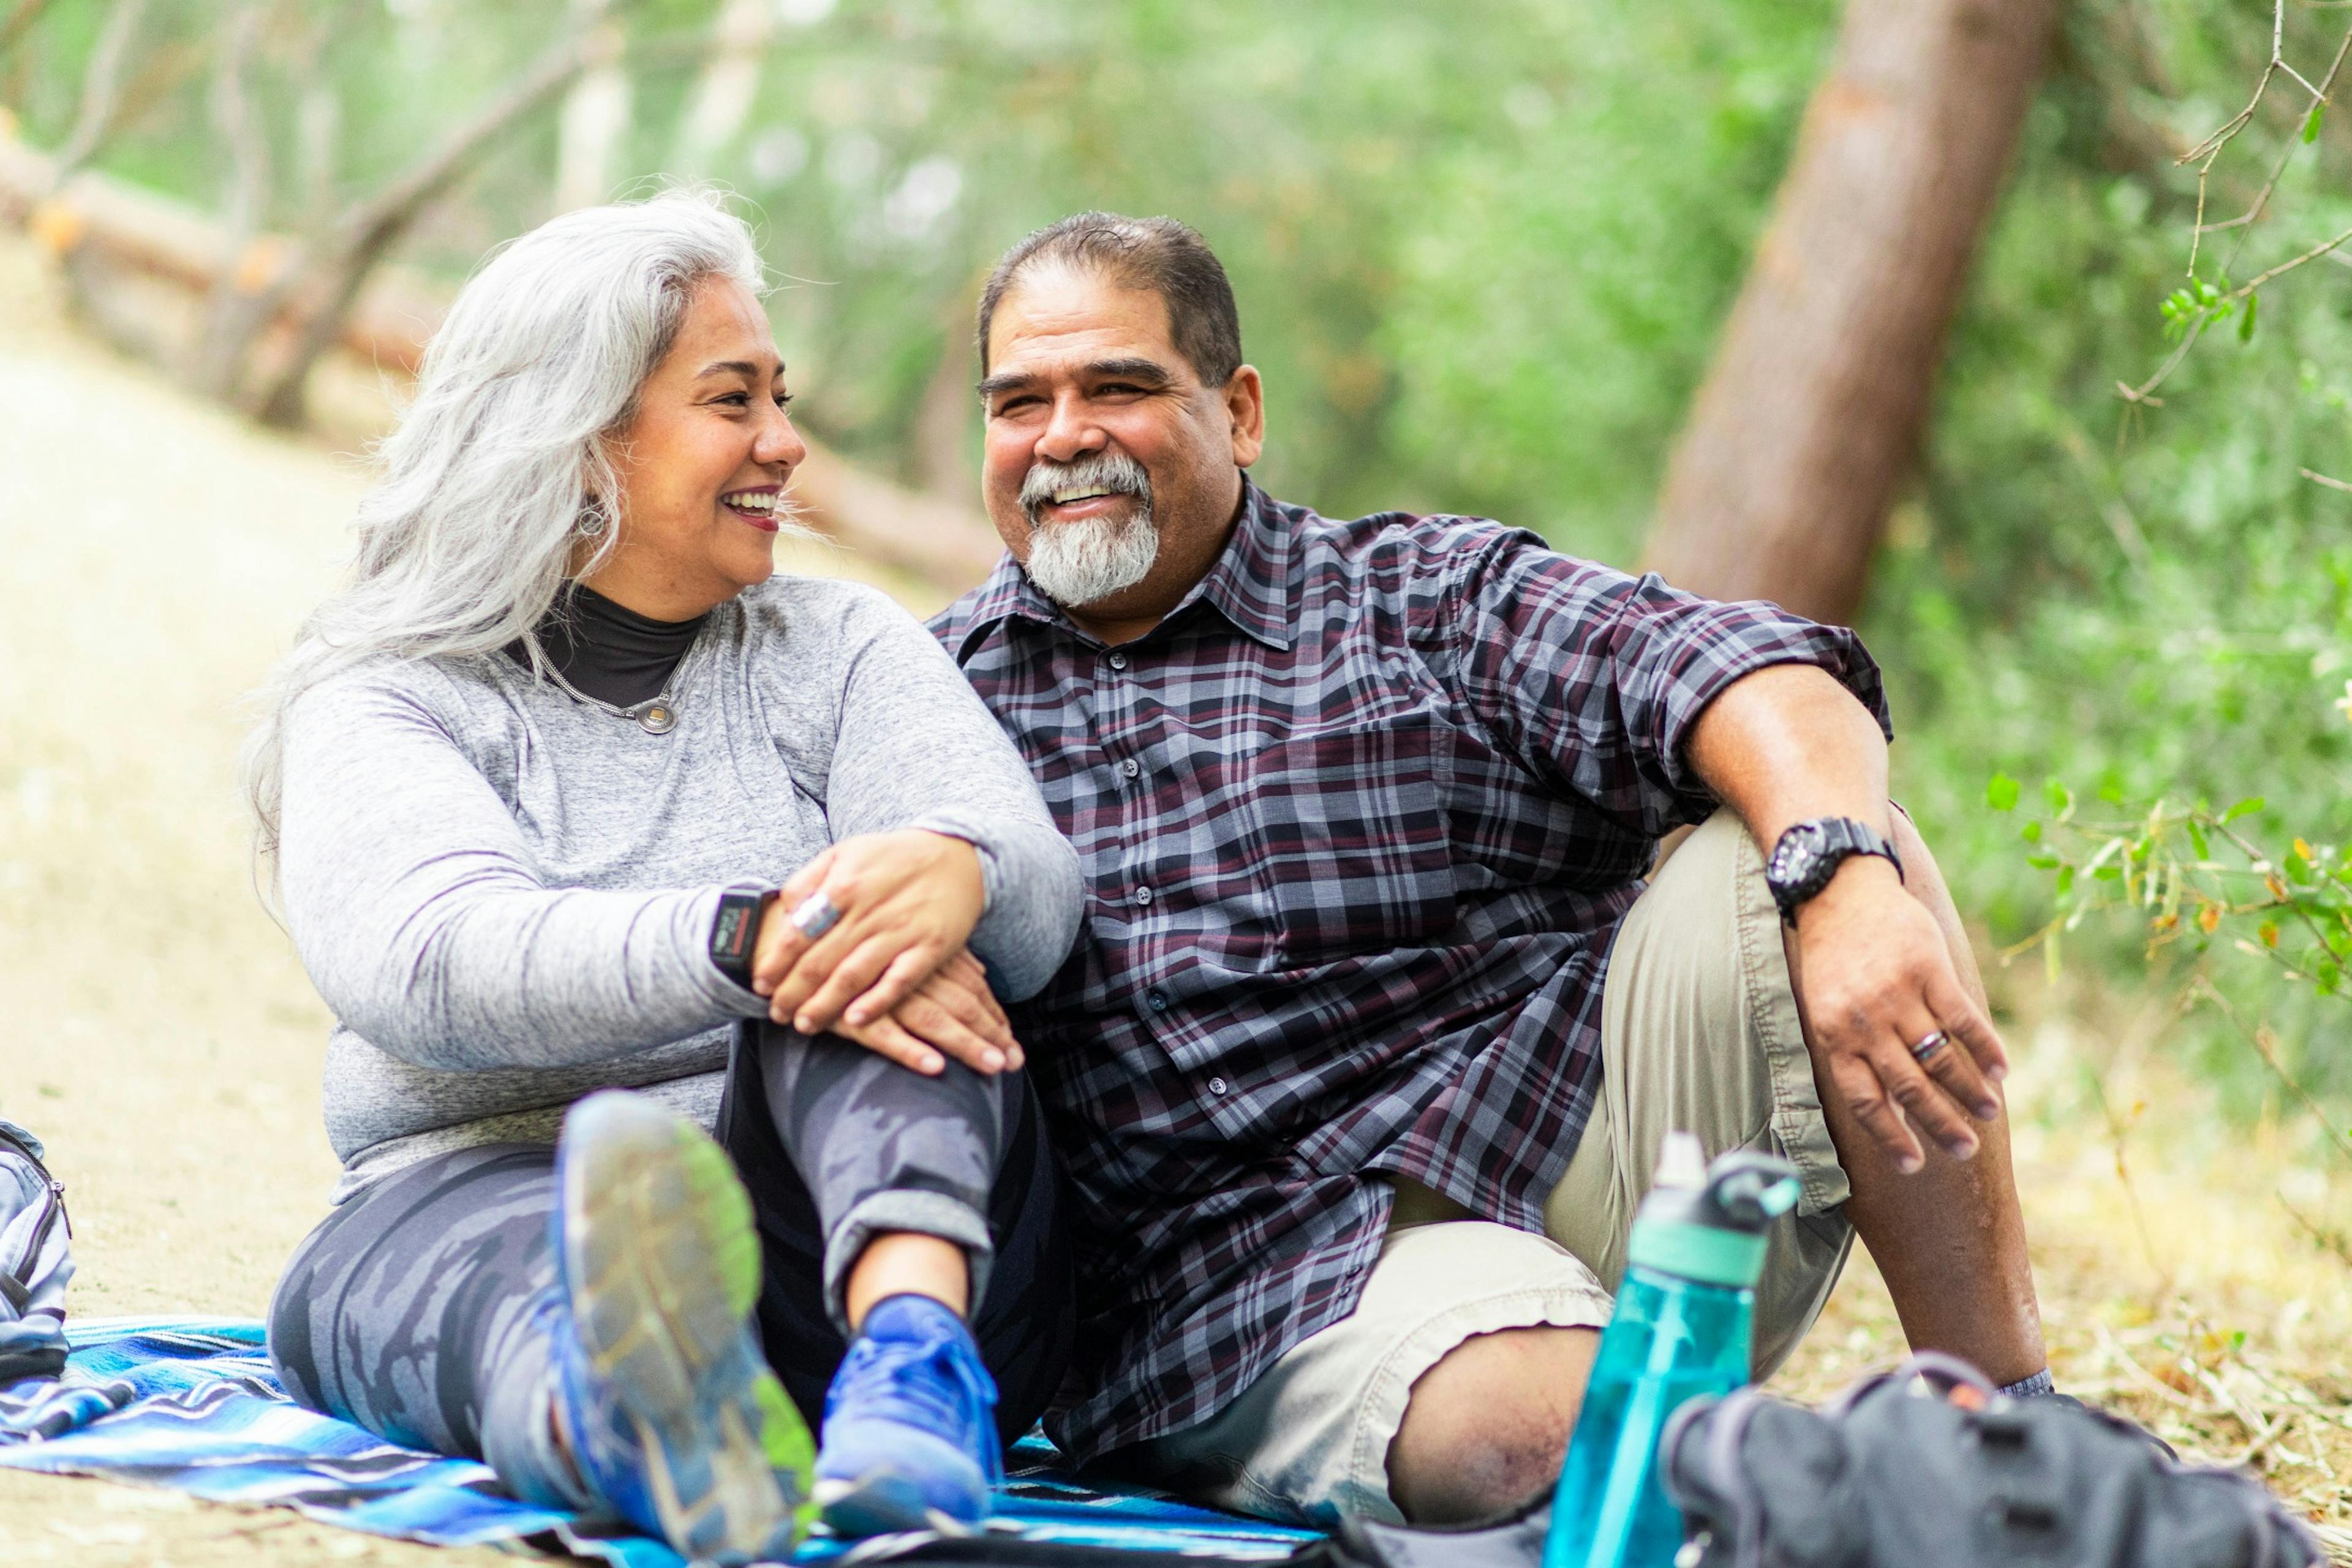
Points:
x=155, y=1030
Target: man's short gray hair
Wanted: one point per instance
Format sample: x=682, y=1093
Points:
x=1158, y=254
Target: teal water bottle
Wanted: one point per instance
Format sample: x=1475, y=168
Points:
x=1683, y=1327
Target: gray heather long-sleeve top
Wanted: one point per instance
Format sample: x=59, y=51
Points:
x=505, y=894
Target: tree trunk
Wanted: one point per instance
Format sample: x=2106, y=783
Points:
x=1810, y=416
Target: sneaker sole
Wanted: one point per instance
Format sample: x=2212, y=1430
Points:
x=883, y=1504
x=653, y=1215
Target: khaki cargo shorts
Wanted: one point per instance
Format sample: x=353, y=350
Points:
x=1699, y=1032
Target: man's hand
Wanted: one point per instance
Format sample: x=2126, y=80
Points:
x=953, y=1013
x=908, y=900
x=1873, y=980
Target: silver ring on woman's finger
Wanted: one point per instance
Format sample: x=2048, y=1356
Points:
x=815, y=915
x=1928, y=1045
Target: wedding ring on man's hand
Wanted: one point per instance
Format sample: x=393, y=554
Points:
x=1934, y=1041
x=814, y=916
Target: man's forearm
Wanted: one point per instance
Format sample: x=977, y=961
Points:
x=1786, y=745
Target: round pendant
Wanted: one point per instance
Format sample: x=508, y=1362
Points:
x=659, y=719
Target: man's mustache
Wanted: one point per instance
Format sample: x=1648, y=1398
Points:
x=1112, y=473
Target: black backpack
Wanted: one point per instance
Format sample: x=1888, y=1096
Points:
x=1927, y=1467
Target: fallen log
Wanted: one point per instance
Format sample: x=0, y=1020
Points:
x=943, y=541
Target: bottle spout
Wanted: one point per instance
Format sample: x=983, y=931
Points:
x=1681, y=1163
x=1750, y=1191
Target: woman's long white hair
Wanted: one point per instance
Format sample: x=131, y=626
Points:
x=498, y=473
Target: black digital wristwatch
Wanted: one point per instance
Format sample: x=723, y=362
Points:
x=735, y=931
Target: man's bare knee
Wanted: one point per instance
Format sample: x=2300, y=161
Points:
x=1485, y=1427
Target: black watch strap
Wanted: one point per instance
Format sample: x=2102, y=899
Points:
x=735, y=931
x=1809, y=854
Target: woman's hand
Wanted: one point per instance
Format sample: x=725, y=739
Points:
x=907, y=902
x=952, y=1013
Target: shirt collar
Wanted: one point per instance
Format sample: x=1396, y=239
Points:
x=1250, y=584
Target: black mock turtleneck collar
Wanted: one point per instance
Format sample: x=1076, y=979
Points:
x=609, y=651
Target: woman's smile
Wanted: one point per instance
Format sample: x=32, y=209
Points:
x=757, y=506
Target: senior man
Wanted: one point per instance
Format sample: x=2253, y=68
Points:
x=1361, y=1064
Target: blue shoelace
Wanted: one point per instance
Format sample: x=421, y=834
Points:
x=922, y=1371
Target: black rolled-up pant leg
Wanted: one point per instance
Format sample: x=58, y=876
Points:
x=837, y=1144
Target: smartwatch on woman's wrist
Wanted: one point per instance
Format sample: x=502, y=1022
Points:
x=735, y=931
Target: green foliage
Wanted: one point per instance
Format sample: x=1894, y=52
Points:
x=2147, y=598
x=1483, y=254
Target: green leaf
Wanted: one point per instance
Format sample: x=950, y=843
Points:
x=2246, y=327
x=2001, y=792
x=2042, y=862
x=2065, y=881
x=2031, y=832
x=2197, y=837
x=2311, y=122
x=2061, y=798
x=2251, y=805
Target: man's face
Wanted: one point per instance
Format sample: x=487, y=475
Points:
x=1110, y=469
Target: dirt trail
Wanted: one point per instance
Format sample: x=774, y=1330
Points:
x=156, y=1030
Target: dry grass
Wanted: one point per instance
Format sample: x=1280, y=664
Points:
x=154, y=1027
x=2178, y=1286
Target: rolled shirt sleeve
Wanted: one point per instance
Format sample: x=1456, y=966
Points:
x=1593, y=679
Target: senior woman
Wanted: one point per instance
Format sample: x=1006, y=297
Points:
x=594, y=836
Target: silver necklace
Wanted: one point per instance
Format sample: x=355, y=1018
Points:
x=656, y=715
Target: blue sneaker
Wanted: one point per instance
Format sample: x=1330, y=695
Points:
x=910, y=1426
x=671, y=1413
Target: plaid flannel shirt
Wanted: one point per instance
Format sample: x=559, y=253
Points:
x=1359, y=822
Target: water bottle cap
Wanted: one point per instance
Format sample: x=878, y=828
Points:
x=1712, y=1229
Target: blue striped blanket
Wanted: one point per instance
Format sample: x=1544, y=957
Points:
x=190, y=1403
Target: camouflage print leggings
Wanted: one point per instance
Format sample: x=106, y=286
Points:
x=407, y=1311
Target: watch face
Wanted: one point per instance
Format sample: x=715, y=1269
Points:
x=1797, y=856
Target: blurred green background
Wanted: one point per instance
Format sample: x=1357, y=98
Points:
x=1483, y=254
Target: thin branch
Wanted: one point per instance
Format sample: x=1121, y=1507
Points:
x=2140, y=393
x=367, y=231
x=101, y=91
x=230, y=321
x=2326, y=1237
x=2324, y=480
x=2204, y=987
x=2314, y=254
x=2261, y=203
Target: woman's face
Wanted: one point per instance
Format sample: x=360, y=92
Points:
x=703, y=464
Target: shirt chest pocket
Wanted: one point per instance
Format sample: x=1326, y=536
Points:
x=1349, y=844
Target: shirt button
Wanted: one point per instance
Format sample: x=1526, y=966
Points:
x=1216, y=1086
x=1142, y=895
x=1130, y=767
x=1118, y=661
x=1159, y=1000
